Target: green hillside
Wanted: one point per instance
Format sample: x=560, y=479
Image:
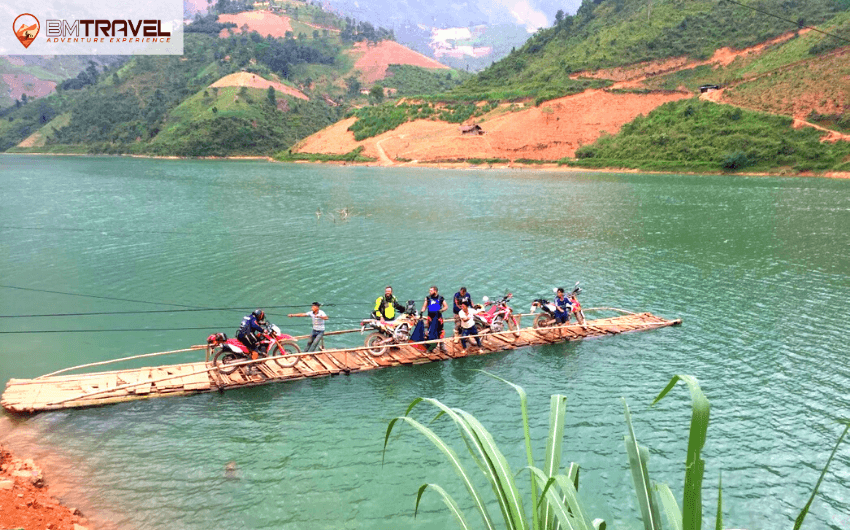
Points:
x=239, y=121
x=800, y=50
x=609, y=33
x=703, y=136
x=164, y=105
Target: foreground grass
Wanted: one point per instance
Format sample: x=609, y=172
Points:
x=554, y=501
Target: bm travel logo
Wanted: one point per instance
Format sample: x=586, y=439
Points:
x=116, y=28
x=27, y=28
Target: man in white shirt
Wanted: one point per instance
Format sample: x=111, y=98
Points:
x=318, y=316
x=467, y=325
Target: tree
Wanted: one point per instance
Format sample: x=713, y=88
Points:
x=272, y=97
x=377, y=93
x=353, y=84
x=559, y=16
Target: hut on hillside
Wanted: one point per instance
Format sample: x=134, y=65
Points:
x=471, y=130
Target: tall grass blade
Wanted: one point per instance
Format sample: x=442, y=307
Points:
x=638, y=456
x=504, y=485
x=572, y=473
x=718, y=520
x=671, y=507
x=568, y=515
x=523, y=404
x=799, y=522
x=694, y=465
x=485, y=460
x=557, y=413
x=549, y=496
x=474, y=446
x=448, y=500
x=453, y=459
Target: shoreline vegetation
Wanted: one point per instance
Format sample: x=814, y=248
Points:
x=529, y=165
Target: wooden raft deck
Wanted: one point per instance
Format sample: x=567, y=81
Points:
x=102, y=388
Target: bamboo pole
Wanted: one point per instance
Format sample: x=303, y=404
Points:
x=111, y=361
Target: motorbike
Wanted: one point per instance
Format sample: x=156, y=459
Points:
x=272, y=343
x=546, y=319
x=389, y=332
x=498, y=318
x=576, y=304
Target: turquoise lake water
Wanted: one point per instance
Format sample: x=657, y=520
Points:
x=758, y=269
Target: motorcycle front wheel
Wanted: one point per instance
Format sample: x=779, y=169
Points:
x=223, y=359
x=282, y=352
x=376, y=344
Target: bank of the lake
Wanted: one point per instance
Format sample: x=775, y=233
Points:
x=757, y=268
x=541, y=165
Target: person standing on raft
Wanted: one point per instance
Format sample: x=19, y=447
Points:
x=461, y=297
x=387, y=305
x=435, y=305
x=319, y=318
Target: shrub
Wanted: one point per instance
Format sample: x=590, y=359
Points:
x=735, y=161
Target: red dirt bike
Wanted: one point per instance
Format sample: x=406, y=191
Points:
x=576, y=304
x=272, y=343
x=546, y=319
x=389, y=332
x=499, y=317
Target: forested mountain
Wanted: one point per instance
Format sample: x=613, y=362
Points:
x=696, y=85
x=299, y=69
x=610, y=33
x=619, y=83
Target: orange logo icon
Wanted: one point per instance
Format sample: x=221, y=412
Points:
x=26, y=28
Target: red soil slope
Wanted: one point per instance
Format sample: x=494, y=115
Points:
x=549, y=132
x=263, y=22
x=255, y=81
x=27, y=84
x=373, y=60
x=559, y=127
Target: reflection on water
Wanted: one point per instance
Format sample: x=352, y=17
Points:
x=757, y=268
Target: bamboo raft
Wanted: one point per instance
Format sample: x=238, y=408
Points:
x=55, y=392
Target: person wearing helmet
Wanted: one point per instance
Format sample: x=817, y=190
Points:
x=252, y=325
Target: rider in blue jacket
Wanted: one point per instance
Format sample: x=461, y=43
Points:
x=563, y=306
x=251, y=325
